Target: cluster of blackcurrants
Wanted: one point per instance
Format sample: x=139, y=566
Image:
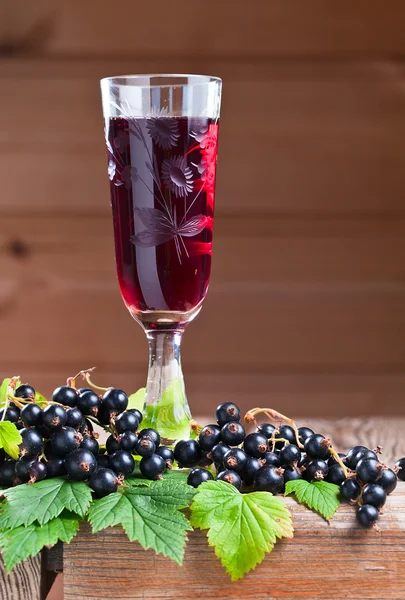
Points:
x=268, y=458
x=60, y=439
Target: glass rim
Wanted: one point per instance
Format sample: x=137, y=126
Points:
x=199, y=79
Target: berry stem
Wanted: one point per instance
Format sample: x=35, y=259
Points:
x=275, y=416
x=195, y=427
x=337, y=458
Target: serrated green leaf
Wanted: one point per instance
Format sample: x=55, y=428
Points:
x=137, y=400
x=10, y=438
x=321, y=496
x=241, y=527
x=22, y=542
x=172, y=475
x=148, y=515
x=43, y=501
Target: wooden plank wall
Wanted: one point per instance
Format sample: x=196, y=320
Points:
x=306, y=310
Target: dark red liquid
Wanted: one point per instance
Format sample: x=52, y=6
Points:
x=162, y=173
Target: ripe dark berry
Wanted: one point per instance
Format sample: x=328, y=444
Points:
x=227, y=412
x=122, y=462
x=290, y=454
x=198, y=476
x=22, y=467
x=74, y=418
x=25, y=391
x=104, y=416
x=187, y=453
x=152, y=434
x=335, y=474
x=88, y=403
x=54, y=417
x=112, y=444
x=388, y=481
x=235, y=460
x=287, y=433
x=65, y=441
x=90, y=443
x=255, y=445
x=31, y=444
x=218, y=452
x=205, y=460
x=38, y=471
x=65, y=395
x=55, y=468
x=356, y=454
x=269, y=479
x=350, y=490
x=7, y=473
x=367, y=515
x=80, y=464
x=248, y=473
x=230, y=477
x=137, y=413
x=316, y=446
x=271, y=459
x=291, y=473
x=369, y=470
x=210, y=435
x=304, y=433
x=12, y=413
x=316, y=469
x=115, y=401
x=400, y=466
x=152, y=467
x=233, y=433
x=103, y=482
x=128, y=441
x=31, y=415
x=145, y=447
x=126, y=421
x=266, y=429
x=167, y=455
x=374, y=494
x=103, y=461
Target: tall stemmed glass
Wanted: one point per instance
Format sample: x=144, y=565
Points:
x=162, y=133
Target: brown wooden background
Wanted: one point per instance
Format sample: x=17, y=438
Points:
x=306, y=310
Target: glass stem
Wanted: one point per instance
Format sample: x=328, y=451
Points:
x=166, y=406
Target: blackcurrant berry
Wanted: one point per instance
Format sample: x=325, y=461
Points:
x=65, y=441
x=356, y=454
x=269, y=479
x=104, y=415
x=126, y=421
x=316, y=469
x=54, y=417
x=65, y=395
x=350, y=490
x=233, y=433
x=218, y=452
x=128, y=441
x=335, y=474
x=198, y=476
x=388, y=480
x=90, y=443
x=291, y=473
x=255, y=444
x=316, y=446
x=31, y=444
x=290, y=454
x=152, y=467
x=31, y=415
x=266, y=429
x=112, y=444
x=145, y=447
x=115, y=401
x=187, y=453
x=103, y=461
x=152, y=434
x=205, y=460
x=55, y=467
x=29, y=469
x=137, y=413
x=227, y=412
x=74, y=418
x=167, y=455
x=367, y=515
x=369, y=470
x=12, y=413
x=248, y=473
x=304, y=433
x=209, y=436
x=38, y=471
x=287, y=433
x=7, y=473
x=122, y=462
x=82, y=390
x=374, y=494
x=80, y=464
x=400, y=466
x=230, y=477
x=271, y=459
x=235, y=460
x=88, y=403
x=103, y=482
x=25, y=391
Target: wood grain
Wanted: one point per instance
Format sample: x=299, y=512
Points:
x=24, y=581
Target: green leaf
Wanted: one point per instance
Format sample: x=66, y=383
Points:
x=241, y=527
x=149, y=515
x=321, y=496
x=22, y=542
x=43, y=501
x=10, y=438
x=137, y=400
x=169, y=416
x=4, y=390
x=40, y=399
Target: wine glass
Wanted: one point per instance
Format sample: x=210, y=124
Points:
x=161, y=133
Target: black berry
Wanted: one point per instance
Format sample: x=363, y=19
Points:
x=137, y=413
x=25, y=391
x=7, y=473
x=304, y=433
x=80, y=464
x=122, y=462
x=374, y=494
x=90, y=443
x=335, y=474
x=316, y=469
x=115, y=401
x=151, y=434
x=269, y=479
x=167, y=455
x=126, y=421
x=388, y=480
x=88, y=403
x=233, y=433
x=255, y=444
x=235, y=460
x=65, y=395
x=218, y=452
x=368, y=470
x=128, y=441
x=367, y=515
x=31, y=415
x=74, y=418
x=291, y=473
x=55, y=467
x=187, y=453
x=230, y=477
x=287, y=433
x=112, y=444
x=103, y=482
x=145, y=447
x=266, y=429
x=400, y=466
x=350, y=490
x=65, y=441
x=209, y=436
x=54, y=417
x=248, y=473
x=271, y=459
x=290, y=454
x=12, y=413
x=316, y=446
x=227, y=412
x=31, y=444
x=152, y=467
x=198, y=476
